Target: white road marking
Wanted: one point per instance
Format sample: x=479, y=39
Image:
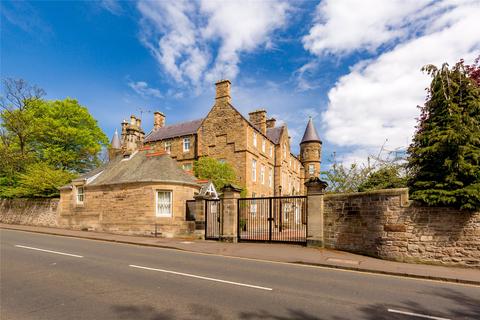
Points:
x=204, y=278
x=416, y=314
x=49, y=251
x=291, y=264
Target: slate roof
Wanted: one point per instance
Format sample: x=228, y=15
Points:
x=310, y=134
x=274, y=134
x=174, y=130
x=142, y=166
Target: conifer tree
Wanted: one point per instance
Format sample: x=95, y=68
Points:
x=444, y=157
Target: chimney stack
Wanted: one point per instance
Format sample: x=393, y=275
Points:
x=271, y=123
x=222, y=93
x=124, y=130
x=158, y=120
x=259, y=119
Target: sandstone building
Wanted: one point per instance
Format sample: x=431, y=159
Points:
x=134, y=194
x=257, y=148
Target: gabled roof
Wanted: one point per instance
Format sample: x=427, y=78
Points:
x=174, y=130
x=310, y=134
x=274, y=134
x=141, y=166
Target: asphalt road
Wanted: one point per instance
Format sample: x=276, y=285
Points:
x=86, y=279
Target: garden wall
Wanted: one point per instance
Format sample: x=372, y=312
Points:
x=387, y=225
x=38, y=212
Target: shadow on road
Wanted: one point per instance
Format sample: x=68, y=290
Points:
x=145, y=312
x=466, y=307
x=462, y=307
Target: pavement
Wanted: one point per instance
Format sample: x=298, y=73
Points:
x=45, y=276
x=277, y=253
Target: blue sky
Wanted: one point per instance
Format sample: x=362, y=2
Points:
x=353, y=66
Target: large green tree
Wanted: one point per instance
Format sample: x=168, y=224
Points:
x=39, y=139
x=220, y=173
x=67, y=136
x=444, y=157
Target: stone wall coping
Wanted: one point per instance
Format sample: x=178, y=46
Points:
x=32, y=199
x=386, y=192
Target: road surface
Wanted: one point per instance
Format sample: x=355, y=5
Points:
x=52, y=277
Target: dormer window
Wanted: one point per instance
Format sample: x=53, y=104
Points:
x=264, y=143
x=255, y=139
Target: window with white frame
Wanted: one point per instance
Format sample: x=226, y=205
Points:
x=271, y=151
x=186, y=144
x=80, y=195
x=255, y=139
x=264, y=145
x=311, y=169
x=168, y=146
x=262, y=174
x=270, y=178
x=164, y=203
x=254, y=170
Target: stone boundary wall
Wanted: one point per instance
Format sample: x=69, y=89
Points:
x=387, y=225
x=37, y=212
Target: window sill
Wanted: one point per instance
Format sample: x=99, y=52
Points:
x=163, y=216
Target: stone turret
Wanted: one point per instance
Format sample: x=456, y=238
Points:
x=115, y=146
x=311, y=151
x=132, y=135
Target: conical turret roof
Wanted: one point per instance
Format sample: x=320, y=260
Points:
x=310, y=134
x=115, y=143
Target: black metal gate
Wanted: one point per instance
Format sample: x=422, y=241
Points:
x=212, y=219
x=273, y=219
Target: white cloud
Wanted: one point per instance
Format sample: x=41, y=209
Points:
x=344, y=26
x=113, y=6
x=143, y=89
x=377, y=100
x=182, y=35
x=241, y=26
